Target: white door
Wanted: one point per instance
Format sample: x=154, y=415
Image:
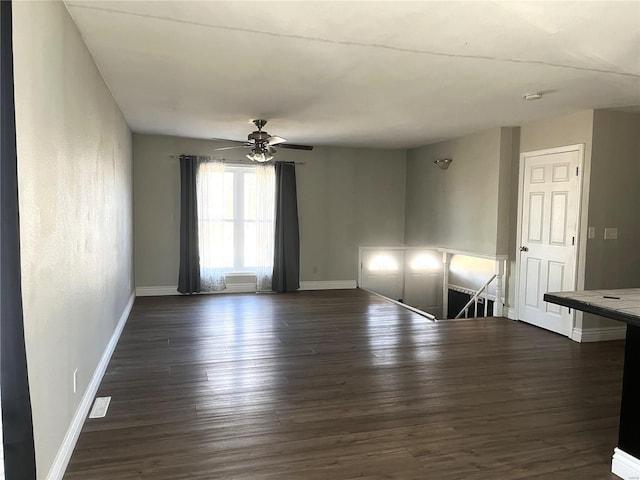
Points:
x=549, y=214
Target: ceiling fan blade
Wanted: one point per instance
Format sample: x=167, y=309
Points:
x=228, y=140
x=293, y=146
x=275, y=140
x=270, y=149
x=230, y=148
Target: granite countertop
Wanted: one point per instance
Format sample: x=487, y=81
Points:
x=618, y=304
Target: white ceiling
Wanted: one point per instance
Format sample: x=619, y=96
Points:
x=378, y=74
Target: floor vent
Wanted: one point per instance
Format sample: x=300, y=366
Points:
x=100, y=407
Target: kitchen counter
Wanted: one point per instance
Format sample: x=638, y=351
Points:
x=622, y=305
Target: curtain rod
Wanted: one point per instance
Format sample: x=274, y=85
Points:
x=242, y=162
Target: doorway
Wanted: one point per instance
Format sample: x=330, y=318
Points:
x=548, y=225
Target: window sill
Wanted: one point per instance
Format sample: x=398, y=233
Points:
x=239, y=274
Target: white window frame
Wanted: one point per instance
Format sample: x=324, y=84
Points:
x=238, y=268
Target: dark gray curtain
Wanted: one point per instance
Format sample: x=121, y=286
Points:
x=19, y=453
x=286, y=258
x=189, y=278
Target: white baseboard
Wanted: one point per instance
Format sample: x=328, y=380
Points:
x=156, y=291
x=328, y=285
x=624, y=465
x=59, y=466
x=247, y=288
x=173, y=290
x=598, y=334
x=576, y=335
x=512, y=313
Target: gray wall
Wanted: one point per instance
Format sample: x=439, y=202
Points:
x=576, y=128
x=75, y=182
x=558, y=132
x=459, y=208
x=473, y=205
x=614, y=201
x=346, y=198
x=507, y=189
x=75, y=174
x=611, y=197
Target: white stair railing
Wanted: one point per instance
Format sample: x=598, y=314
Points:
x=474, y=299
x=500, y=268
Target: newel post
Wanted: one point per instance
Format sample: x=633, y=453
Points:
x=445, y=284
x=498, y=306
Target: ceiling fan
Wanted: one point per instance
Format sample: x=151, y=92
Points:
x=261, y=144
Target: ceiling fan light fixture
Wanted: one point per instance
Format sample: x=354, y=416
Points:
x=260, y=155
x=261, y=144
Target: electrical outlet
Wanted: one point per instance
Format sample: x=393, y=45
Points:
x=315, y=269
x=610, y=233
x=75, y=381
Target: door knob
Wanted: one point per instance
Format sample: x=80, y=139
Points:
x=524, y=249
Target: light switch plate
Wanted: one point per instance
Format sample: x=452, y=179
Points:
x=591, y=232
x=610, y=233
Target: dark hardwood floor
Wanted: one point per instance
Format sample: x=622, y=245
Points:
x=343, y=385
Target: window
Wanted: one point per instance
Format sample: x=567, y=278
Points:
x=236, y=207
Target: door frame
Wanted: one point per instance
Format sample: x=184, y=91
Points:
x=580, y=250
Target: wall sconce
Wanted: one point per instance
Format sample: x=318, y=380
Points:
x=443, y=163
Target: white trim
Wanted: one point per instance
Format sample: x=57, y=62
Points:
x=56, y=472
x=598, y=334
x=156, y=291
x=624, y=465
x=473, y=254
x=576, y=335
x=582, y=227
x=512, y=313
x=328, y=285
x=578, y=280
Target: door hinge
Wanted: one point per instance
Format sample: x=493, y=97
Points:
x=573, y=241
x=577, y=171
